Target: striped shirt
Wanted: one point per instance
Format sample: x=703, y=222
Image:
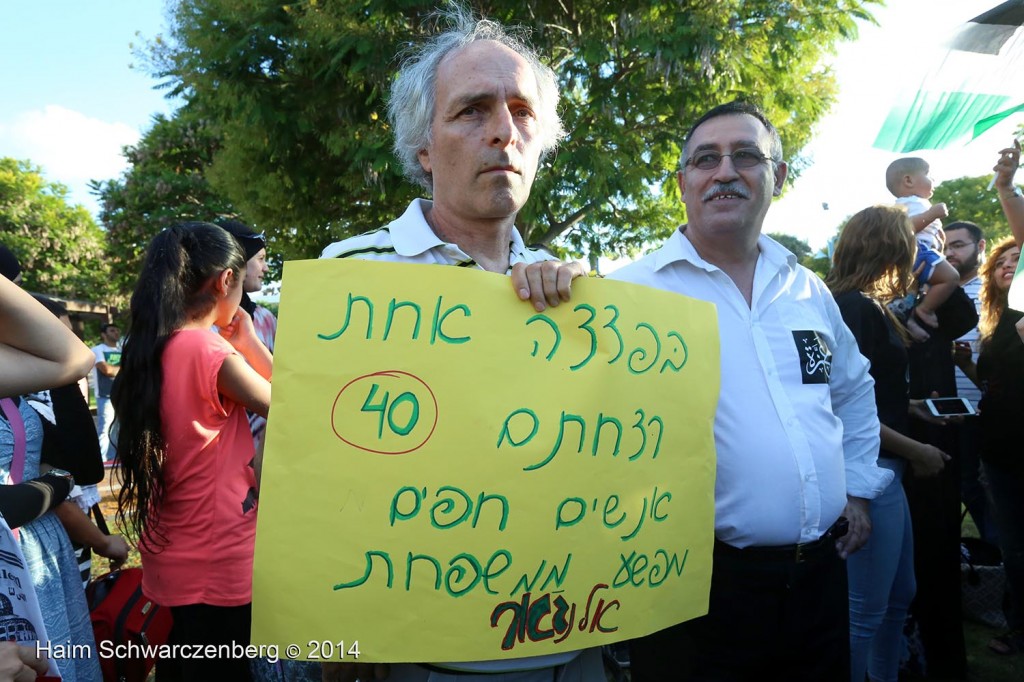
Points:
x=965, y=388
x=410, y=239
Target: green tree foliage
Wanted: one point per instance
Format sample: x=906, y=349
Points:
x=59, y=246
x=971, y=199
x=296, y=95
x=165, y=184
x=804, y=255
x=797, y=246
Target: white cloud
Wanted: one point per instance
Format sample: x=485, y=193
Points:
x=71, y=147
x=847, y=172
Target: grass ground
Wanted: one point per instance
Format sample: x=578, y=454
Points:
x=983, y=664
x=108, y=489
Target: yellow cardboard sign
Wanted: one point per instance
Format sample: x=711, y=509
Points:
x=451, y=476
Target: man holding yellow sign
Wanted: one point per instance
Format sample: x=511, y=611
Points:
x=473, y=111
x=494, y=480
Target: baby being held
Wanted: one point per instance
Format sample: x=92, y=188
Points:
x=908, y=180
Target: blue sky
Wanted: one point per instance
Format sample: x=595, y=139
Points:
x=71, y=100
x=77, y=54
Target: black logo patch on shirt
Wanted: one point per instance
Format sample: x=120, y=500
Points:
x=815, y=356
x=249, y=503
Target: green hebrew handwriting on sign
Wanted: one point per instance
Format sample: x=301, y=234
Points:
x=451, y=475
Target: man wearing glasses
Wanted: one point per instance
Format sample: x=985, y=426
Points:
x=796, y=430
x=965, y=251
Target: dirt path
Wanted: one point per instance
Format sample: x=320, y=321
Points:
x=109, y=487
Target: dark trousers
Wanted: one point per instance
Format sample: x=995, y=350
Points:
x=769, y=618
x=935, y=515
x=973, y=489
x=205, y=624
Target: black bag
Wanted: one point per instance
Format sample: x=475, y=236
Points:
x=72, y=444
x=982, y=582
x=931, y=362
x=957, y=315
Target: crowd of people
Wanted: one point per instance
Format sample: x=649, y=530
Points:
x=833, y=476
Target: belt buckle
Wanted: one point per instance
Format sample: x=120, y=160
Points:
x=799, y=555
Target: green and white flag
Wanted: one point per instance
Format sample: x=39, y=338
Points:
x=978, y=83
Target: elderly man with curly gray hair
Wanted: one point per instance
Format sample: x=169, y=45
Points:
x=474, y=111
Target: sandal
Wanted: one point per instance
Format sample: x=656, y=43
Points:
x=1008, y=643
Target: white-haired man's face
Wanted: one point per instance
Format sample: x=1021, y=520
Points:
x=485, y=137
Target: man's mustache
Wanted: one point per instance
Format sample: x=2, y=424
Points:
x=726, y=188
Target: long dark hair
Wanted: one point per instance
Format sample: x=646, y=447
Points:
x=174, y=287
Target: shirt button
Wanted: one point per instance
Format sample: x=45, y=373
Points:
x=808, y=478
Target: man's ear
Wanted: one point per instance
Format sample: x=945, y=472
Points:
x=781, y=171
x=681, y=181
x=424, y=156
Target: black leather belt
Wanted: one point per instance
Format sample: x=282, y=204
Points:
x=789, y=554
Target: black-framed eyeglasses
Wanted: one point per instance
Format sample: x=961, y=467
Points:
x=747, y=157
x=959, y=245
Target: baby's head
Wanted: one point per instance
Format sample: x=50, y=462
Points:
x=909, y=177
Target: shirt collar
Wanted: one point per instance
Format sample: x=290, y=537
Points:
x=775, y=253
x=516, y=248
x=417, y=237
x=680, y=248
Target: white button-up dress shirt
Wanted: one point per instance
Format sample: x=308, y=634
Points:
x=796, y=429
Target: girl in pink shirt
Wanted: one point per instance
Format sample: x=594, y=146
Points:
x=187, y=460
